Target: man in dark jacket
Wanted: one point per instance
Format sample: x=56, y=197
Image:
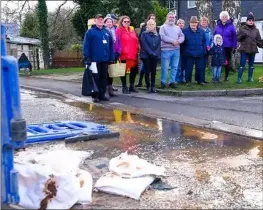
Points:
x=98, y=47
x=194, y=48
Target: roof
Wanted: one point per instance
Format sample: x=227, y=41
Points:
x=22, y=40
x=13, y=35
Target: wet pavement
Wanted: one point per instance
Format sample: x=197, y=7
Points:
x=208, y=169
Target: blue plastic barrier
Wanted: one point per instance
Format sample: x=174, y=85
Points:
x=40, y=133
x=11, y=112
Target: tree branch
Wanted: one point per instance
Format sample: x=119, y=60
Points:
x=58, y=11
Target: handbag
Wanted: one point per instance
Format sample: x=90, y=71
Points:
x=117, y=69
x=89, y=86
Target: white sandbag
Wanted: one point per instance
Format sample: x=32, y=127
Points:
x=32, y=181
x=71, y=184
x=131, y=166
x=86, y=185
x=116, y=185
x=58, y=160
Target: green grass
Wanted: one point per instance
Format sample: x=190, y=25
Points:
x=231, y=84
x=61, y=71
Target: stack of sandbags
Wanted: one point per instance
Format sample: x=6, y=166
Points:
x=52, y=180
x=129, y=176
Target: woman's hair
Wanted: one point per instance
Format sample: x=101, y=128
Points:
x=224, y=13
x=204, y=19
x=122, y=18
x=149, y=17
x=180, y=21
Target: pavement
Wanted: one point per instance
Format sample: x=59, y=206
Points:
x=231, y=114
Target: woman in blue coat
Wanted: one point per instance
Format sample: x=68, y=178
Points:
x=150, y=53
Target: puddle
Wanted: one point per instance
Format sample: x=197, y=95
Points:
x=208, y=169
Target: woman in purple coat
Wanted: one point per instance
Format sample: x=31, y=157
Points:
x=109, y=23
x=227, y=30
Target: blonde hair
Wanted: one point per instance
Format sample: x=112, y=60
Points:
x=180, y=21
x=224, y=13
x=204, y=19
x=151, y=21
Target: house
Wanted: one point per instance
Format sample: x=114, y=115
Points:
x=16, y=45
x=186, y=9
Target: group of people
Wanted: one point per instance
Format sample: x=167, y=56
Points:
x=109, y=41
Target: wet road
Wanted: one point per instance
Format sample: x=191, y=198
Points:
x=208, y=169
x=242, y=112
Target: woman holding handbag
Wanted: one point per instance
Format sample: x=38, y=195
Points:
x=129, y=52
x=150, y=53
x=109, y=23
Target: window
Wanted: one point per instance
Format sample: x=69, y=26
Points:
x=191, y=4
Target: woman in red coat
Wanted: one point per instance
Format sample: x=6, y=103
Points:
x=129, y=52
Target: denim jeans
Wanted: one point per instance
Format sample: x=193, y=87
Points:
x=243, y=59
x=216, y=73
x=180, y=76
x=169, y=57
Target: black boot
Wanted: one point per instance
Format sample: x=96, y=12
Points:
x=132, y=89
x=125, y=90
x=103, y=98
x=110, y=91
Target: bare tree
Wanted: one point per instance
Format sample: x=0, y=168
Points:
x=205, y=8
x=233, y=7
x=15, y=11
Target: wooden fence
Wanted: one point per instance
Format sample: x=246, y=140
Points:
x=67, y=58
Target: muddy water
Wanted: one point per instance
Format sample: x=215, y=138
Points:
x=208, y=169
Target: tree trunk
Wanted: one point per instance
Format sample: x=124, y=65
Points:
x=43, y=26
x=205, y=9
x=233, y=7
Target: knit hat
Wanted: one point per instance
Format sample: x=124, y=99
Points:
x=114, y=17
x=107, y=17
x=250, y=16
x=193, y=19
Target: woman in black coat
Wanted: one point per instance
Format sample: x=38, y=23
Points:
x=150, y=53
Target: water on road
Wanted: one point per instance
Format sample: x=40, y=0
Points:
x=208, y=169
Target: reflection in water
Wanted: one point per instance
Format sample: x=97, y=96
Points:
x=138, y=129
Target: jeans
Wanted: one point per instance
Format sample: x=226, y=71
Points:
x=169, y=57
x=243, y=60
x=150, y=66
x=199, y=68
x=180, y=77
x=216, y=73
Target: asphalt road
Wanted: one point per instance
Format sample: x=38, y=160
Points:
x=244, y=112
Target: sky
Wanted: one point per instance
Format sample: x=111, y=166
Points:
x=51, y=5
